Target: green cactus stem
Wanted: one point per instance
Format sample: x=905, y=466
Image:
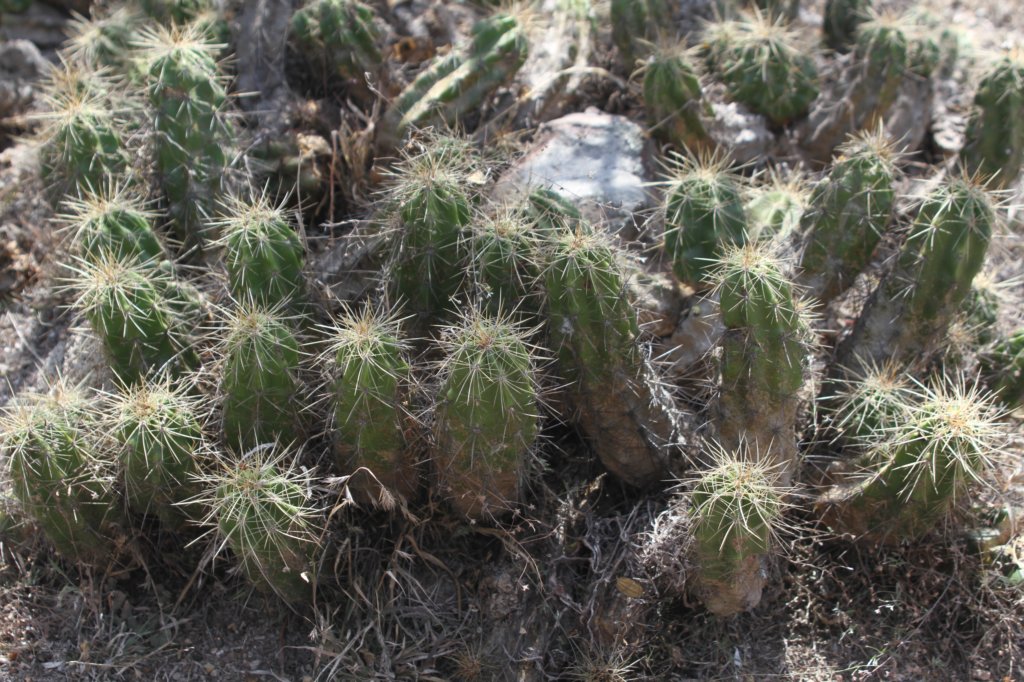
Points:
x=869, y=405
x=737, y=506
x=486, y=417
x=458, y=83
x=81, y=146
x=342, y=34
x=849, y=212
x=917, y=471
x=629, y=421
x=372, y=384
x=433, y=207
x=262, y=252
x=51, y=445
x=786, y=10
x=501, y=250
x=673, y=97
x=908, y=313
x=636, y=24
x=764, y=354
x=259, y=383
x=104, y=41
x=842, y=19
x=763, y=67
x=703, y=215
x=1003, y=369
x=129, y=305
x=157, y=434
x=264, y=512
x=113, y=220
x=192, y=142
x=994, y=145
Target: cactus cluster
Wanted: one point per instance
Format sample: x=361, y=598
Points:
x=247, y=394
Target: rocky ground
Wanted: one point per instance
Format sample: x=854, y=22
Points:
x=566, y=597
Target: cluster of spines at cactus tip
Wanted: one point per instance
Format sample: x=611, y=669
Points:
x=486, y=418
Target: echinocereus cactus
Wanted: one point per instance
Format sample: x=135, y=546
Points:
x=703, y=215
x=342, y=33
x=193, y=136
x=636, y=24
x=736, y=514
x=81, y=144
x=787, y=10
x=842, y=19
x=156, y=433
x=624, y=413
x=371, y=386
x=262, y=252
x=909, y=311
x=135, y=309
x=870, y=404
x=263, y=510
x=763, y=67
x=994, y=145
x=432, y=207
x=849, y=211
x=674, y=101
x=259, y=383
x=50, y=443
x=486, y=416
x=919, y=467
x=105, y=40
x=1003, y=368
x=764, y=354
x=457, y=83
x=113, y=220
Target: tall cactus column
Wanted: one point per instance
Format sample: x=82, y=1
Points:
x=908, y=313
x=995, y=132
x=763, y=357
x=627, y=417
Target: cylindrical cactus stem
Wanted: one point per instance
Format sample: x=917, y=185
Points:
x=763, y=67
x=130, y=307
x=82, y=148
x=550, y=212
x=736, y=513
x=673, y=97
x=628, y=419
x=193, y=136
x=459, y=82
x=501, y=252
x=263, y=510
x=486, y=417
x=51, y=445
x=841, y=21
x=433, y=206
x=262, y=252
x=1003, y=369
x=764, y=354
x=908, y=313
x=156, y=430
x=636, y=24
x=919, y=468
x=113, y=220
x=703, y=215
x=980, y=309
x=370, y=392
x=775, y=209
x=994, y=146
x=849, y=212
x=787, y=10
x=342, y=33
x=259, y=383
